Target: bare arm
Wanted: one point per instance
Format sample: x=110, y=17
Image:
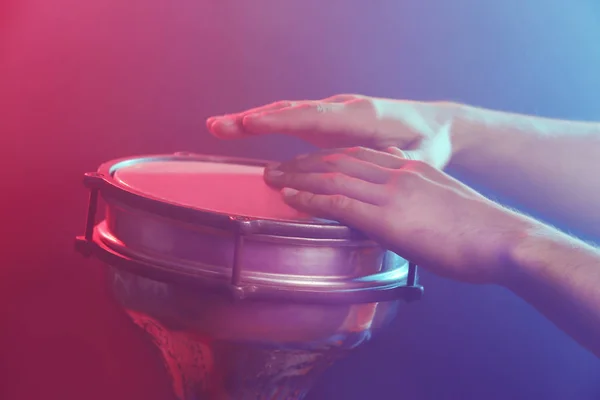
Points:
x=560, y=277
x=430, y=218
x=548, y=165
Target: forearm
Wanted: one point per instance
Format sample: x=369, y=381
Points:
x=559, y=276
x=545, y=165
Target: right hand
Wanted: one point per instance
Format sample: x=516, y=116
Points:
x=407, y=206
x=421, y=130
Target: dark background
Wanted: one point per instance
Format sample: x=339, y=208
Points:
x=82, y=82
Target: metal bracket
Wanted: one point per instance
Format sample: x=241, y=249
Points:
x=244, y=226
x=91, y=180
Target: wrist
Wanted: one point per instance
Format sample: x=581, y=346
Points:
x=538, y=247
x=493, y=251
x=500, y=247
x=469, y=129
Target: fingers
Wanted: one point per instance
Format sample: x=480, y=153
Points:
x=349, y=211
x=230, y=126
x=301, y=118
x=362, y=163
x=330, y=184
x=353, y=186
x=330, y=163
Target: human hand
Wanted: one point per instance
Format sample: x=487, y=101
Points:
x=421, y=129
x=408, y=206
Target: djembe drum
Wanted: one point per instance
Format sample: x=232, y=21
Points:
x=246, y=298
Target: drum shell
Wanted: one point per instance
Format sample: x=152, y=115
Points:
x=210, y=251
x=206, y=255
x=210, y=314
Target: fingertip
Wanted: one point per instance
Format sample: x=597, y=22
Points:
x=209, y=123
x=289, y=192
x=273, y=177
x=225, y=128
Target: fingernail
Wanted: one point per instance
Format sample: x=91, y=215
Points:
x=289, y=192
x=273, y=173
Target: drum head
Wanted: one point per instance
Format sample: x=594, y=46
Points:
x=232, y=189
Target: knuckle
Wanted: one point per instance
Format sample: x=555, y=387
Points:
x=366, y=105
x=306, y=198
x=332, y=162
x=319, y=107
x=343, y=97
x=363, y=102
x=334, y=180
x=340, y=203
x=284, y=103
x=371, y=109
x=309, y=106
x=396, y=152
x=358, y=151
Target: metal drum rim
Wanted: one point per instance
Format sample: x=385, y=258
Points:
x=104, y=181
x=104, y=238
x=367, y=289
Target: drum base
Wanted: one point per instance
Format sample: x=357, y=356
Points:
x=205, y=369
x=216, y=348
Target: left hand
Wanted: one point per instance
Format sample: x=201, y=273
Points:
x=408, y=206
x=424, y=129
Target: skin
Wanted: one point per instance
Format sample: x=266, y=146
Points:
x=382, y=173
